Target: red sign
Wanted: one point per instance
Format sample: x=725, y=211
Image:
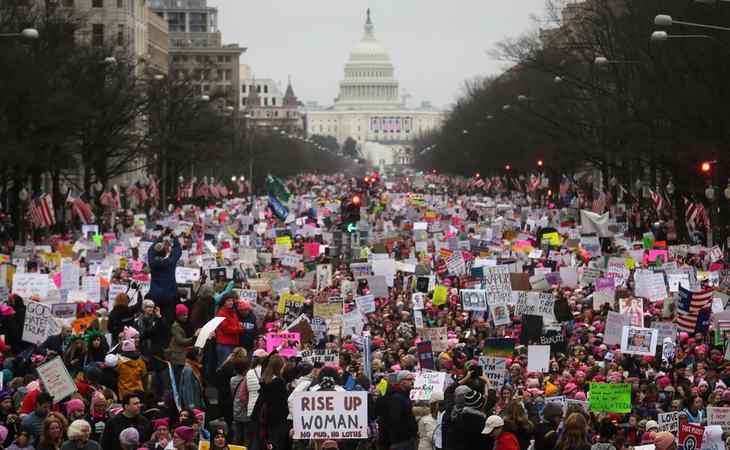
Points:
x=690, y=436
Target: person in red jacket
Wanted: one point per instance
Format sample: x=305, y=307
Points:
x=502, y=439
x=227, y=335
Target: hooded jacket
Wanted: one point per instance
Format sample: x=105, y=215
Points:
x=163, y=287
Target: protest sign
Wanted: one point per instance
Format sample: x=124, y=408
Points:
x=425, y=383
x=82, y=324
x=27, y=285
x=719, y=416
x=615, y=323
x=638, y=341
x=668, y=421
x=187, y=275
x=330, y=415
x=555, y=339
x=495, y=370
x=589, y=275
x=287, y=341
x=39, y=323
x=690, y=436
x=438, y=338
x=56, y=379
x=634, y=309
x=425, y=355
x=293, y=306
x=417, y=298
x=321, y=355
x=92, y=286
x=538, y=358
x=610, y=397
x=319, y=328
x=64, y=310
x=206, y=331
x=499, y=347
x=665, y=330
x=474, y=300
x=497, y=285
x=365, y=303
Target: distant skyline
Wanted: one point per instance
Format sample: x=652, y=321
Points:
x=434, y=45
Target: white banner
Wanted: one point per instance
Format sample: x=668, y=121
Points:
x=330, y=415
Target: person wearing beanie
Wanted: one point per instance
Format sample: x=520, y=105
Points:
x=79, y=435
x=161, y=436
x=218, y=439
x=466, y=428
x=129, y=439
x=98, y=415
x=546, y=431
x=75, y=409
x=399, y=422
x=184, y=438
x=664, y=440
x=162, y=259
x=249, y=324
x=131, y=369
x=183, y=336
x=23, y=439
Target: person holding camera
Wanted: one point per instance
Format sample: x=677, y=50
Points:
x=162, y=258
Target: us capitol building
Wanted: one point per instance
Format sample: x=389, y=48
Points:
x=370, y=110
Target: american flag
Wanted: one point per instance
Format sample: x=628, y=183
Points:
x=138, y=190
x=185, y=191
x=487, y=185
x=657, y=201
x=693, y=309
x=41, y=211
x=695, y=214
x=533, y=184
x=498, y=185
x=201, y=190
x=565, y=187
x=599, y=202
x=82, y=206
x=516, y=184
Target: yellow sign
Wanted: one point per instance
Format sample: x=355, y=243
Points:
x=439, y=295
x=554, y=238
x=232, y=232
x=288, y=297
x=284, y=240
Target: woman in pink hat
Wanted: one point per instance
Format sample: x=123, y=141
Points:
x=183, y=336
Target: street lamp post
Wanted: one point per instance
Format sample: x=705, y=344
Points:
x=28, y=33
x=660, y=36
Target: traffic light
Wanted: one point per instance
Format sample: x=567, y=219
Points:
x=540, y=163
x=705, y=167
x=507, y=167
x=350, y=209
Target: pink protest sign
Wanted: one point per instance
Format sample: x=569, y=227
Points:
x=288, y=341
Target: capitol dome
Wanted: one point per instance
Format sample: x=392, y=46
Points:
x=368, y=75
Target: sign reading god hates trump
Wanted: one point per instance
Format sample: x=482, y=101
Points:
x=330, y=415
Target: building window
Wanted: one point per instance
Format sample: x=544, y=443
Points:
x=198, y=22
x=120, y=3
x=273, y=101
x=243, y=88
x=120, y=35
x=258, y=88
x=229, y=59
x=97, y=34
x=266, y=89
x=276, y=113
x=176, y=22
x=243, y=101
x=97, y=3
x=266, y=101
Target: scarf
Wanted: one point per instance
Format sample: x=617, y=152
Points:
x=196, y=366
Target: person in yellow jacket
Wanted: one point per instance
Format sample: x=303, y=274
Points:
x=131, y=369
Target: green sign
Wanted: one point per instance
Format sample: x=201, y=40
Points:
x=610, y=397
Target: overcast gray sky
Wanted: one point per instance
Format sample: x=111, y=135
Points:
x=434, y=44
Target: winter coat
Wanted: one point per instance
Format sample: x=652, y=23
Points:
x=426, y=428
x=176, y=350
x=131, y=373
x=253, y=383
x=229, y=330
x=546, y=436
x=507, y=441
x=163, y=287
x=399, y=416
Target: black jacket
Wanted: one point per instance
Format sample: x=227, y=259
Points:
x=120, y=317
x=401, y=422
x=546, y=436
x=115, y=425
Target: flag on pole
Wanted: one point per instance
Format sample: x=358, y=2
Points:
x=82, y=206
x=565, y=187
x=600, y=200
x=276, y=188
x=657, y=201
x=41, y=211
x=153, y=191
